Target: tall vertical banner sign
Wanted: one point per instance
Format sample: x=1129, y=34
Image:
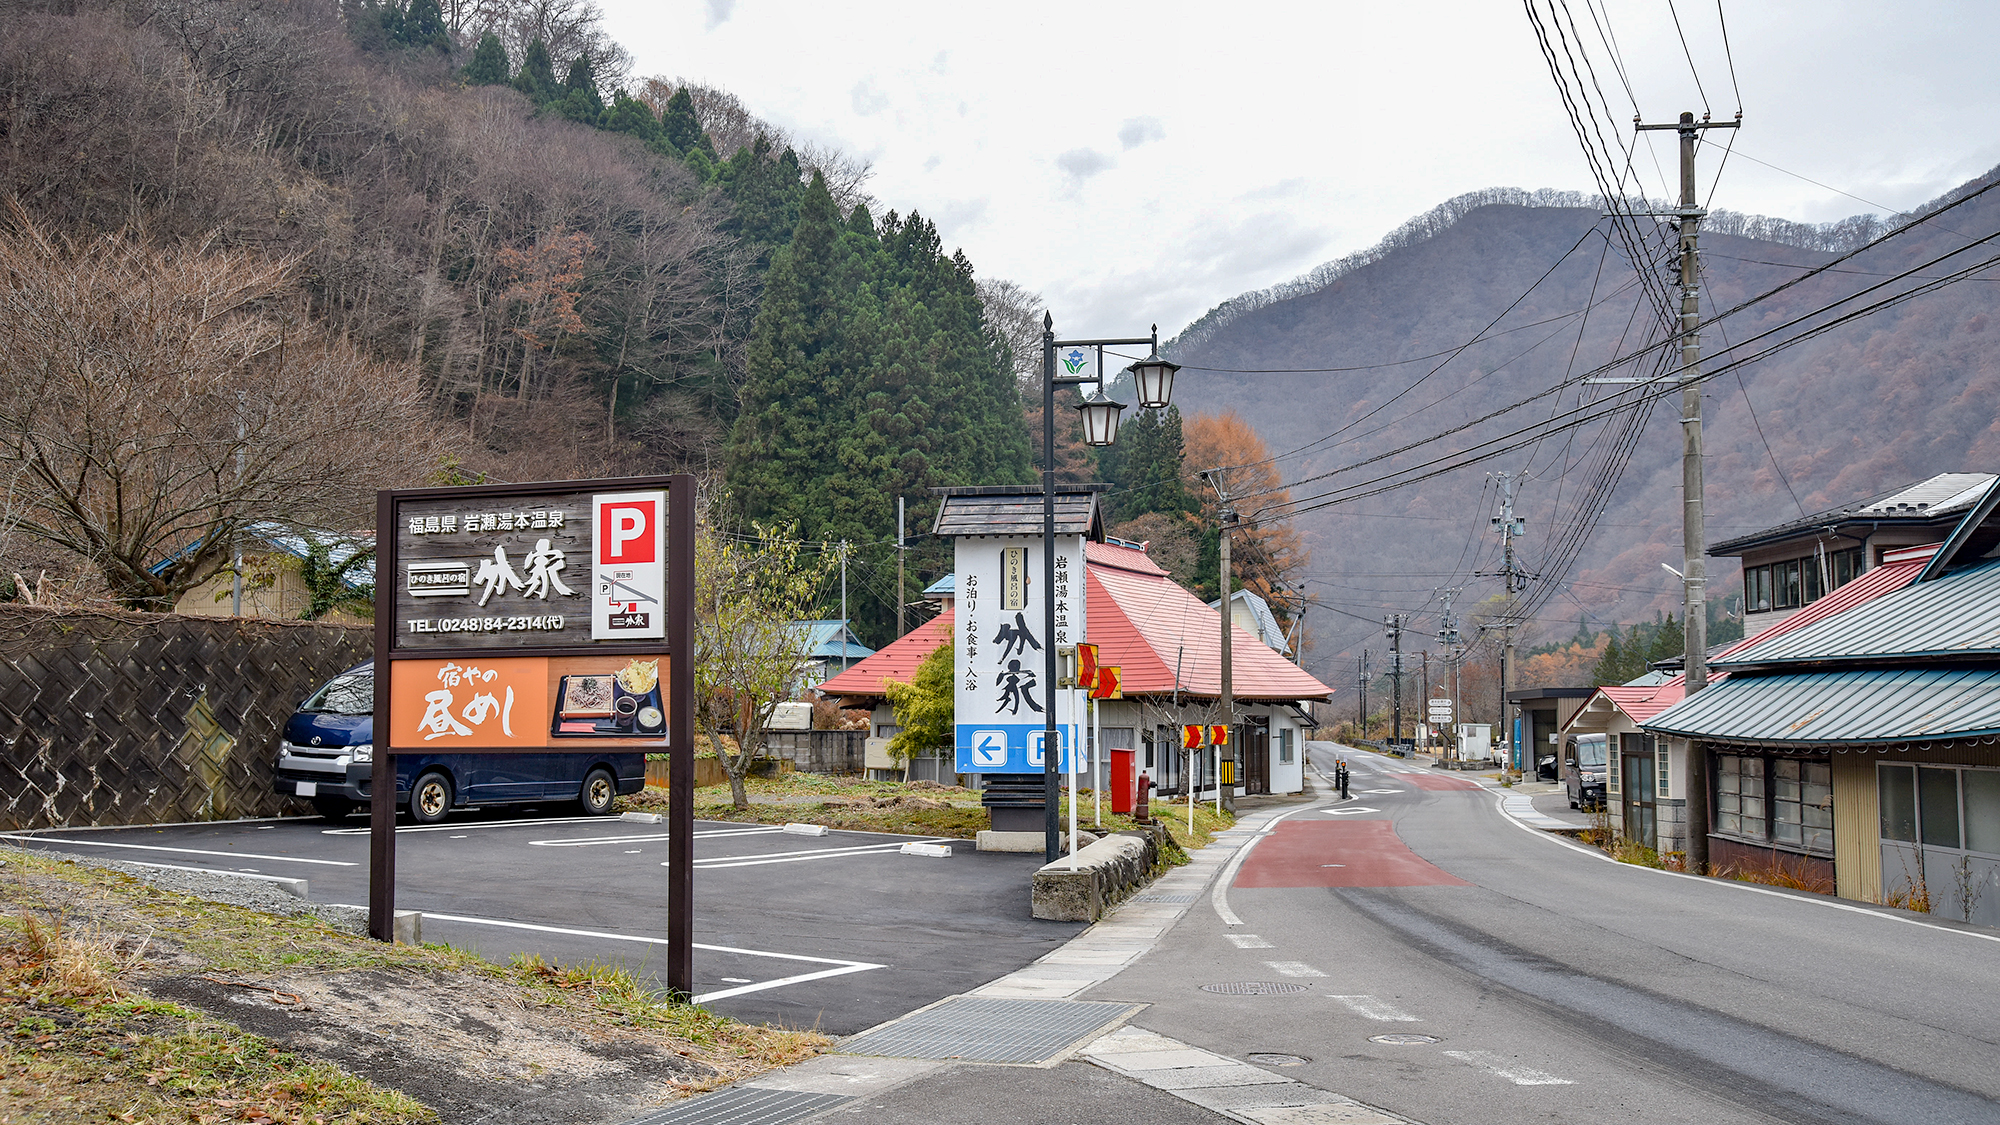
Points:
x=999, y=654
x=536, y=618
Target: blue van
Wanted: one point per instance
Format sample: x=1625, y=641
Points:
x=327, y=752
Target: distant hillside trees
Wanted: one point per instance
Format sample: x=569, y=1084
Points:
x=159, y=401
x=1267, y=555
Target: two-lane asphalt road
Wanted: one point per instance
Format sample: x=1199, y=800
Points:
x=1456, y=966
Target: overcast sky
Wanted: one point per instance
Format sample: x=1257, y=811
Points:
x=1140, y=162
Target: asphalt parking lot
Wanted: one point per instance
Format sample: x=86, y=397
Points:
x=836, y=932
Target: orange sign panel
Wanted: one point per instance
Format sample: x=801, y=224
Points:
x=1218, y=735
x=1110, y=682
x=524, y=703
x=1194, y=737
x=1086, y=666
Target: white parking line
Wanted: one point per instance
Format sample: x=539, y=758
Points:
x=654, y=837
x=1376, y=1009
x=460, y=827
x=1499, y=1067
x=810, y=854
x=841, y=968
x=178, y=851
x=1248, y=941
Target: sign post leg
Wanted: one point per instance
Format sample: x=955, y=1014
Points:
x=680, y=737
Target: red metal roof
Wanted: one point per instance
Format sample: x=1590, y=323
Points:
x=1141, y=620
x=1642, y=703
x=895, y=662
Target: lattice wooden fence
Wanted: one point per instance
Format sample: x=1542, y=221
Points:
x=126, y=718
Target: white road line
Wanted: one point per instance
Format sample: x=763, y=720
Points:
x=1734, y=885
x=1499, y=1067
x=808, y=855
x=1248, y=941
x=460, y=827
x=1376, y=1009
x=1521, y=807
x=653, y=837
x=1349, y=810
x=178, y=851
x=841, y=968
x=1293, y=969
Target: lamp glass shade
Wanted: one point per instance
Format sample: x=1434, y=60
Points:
x=1100, y=419
x=1155, y=379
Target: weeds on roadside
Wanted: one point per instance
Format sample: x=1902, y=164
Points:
x=1914, y=894
x=1792, y=873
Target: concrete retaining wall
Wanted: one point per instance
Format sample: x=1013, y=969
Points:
x=1107, y=872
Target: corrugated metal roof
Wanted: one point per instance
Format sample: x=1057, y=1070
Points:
x=1267, y=624
x=897, y=661
x=946, y=587
x=821, y=640
x=1956, y=615
x=1642, y=699
x=1926, y=500
x=1849, y=707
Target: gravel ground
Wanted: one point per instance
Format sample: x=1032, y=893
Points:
x=223, y=886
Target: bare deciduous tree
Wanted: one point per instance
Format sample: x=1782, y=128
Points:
x=154, y=402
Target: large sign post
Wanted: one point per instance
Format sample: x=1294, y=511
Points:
x=537, y=618
x=1000, y=700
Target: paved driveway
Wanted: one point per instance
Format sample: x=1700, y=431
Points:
x=838, y=932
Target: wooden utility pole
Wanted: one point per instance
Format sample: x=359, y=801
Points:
x=1361, y=704
x=1393, y=626
x=1694, y=536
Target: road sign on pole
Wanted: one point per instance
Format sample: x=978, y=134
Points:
x=1440, y=712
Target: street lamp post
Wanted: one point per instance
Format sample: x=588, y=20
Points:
x=1154, y=379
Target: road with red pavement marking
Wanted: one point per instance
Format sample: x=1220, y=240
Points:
x=1435, y=781
x=1352, y=853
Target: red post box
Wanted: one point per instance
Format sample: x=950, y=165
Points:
x=1124, y=780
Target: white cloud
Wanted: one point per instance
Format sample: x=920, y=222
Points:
x=1138, y=130
x=1083, y=163
x=719, y=12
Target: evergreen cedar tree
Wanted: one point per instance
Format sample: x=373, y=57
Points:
x=870, y=375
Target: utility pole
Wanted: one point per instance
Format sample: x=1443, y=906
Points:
x=1426, y=681
x=1225, y=518
x=901, y=599
x=1361, y=707
x=1448, y=637
x=1393, y=626
x=843, y=605
x=1517, y=580
x=1694, y=537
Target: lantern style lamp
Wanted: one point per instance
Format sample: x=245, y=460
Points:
x=1155, y=379
x=1100, y=419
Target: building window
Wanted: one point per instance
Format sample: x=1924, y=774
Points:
x=1663, y=757
x=887, y=730
x=1787, y=802
x=1801, y=581
x=1285, y=737
x=1615, y=766
x=1943, y=806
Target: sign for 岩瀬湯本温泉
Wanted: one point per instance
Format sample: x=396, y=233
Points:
x=999, y=660
x=524, y=616
x=561, y=569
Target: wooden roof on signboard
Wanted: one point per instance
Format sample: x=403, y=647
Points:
x=1015, y=511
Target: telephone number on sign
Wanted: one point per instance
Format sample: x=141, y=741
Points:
x=485, y=624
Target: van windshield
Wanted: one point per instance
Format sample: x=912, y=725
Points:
x=351, y=693
x=1590, y=751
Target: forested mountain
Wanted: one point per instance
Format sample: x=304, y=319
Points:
x=1452, y=319
x=588, y=273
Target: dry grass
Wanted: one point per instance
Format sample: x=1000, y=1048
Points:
x=1793, y=874
x=81, y=1039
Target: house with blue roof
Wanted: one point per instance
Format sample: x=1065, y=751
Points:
x=275, y=582
x=1863, y=748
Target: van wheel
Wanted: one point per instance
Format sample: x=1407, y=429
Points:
x=430, y=798
x=334, y=809
x=599, y=790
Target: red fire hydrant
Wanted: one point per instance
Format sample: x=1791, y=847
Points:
x=1143, y=812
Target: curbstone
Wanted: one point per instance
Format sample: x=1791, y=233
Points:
x=1106, y=872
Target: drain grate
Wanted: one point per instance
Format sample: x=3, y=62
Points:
x=1403, y=1039
x=989, y=1029
x=1273, y=1058
x=741, y=1105
x=1168, y=896
x=1254, y=988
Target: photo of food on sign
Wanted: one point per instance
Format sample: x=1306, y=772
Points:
x=527, y=702
x=618, y=704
